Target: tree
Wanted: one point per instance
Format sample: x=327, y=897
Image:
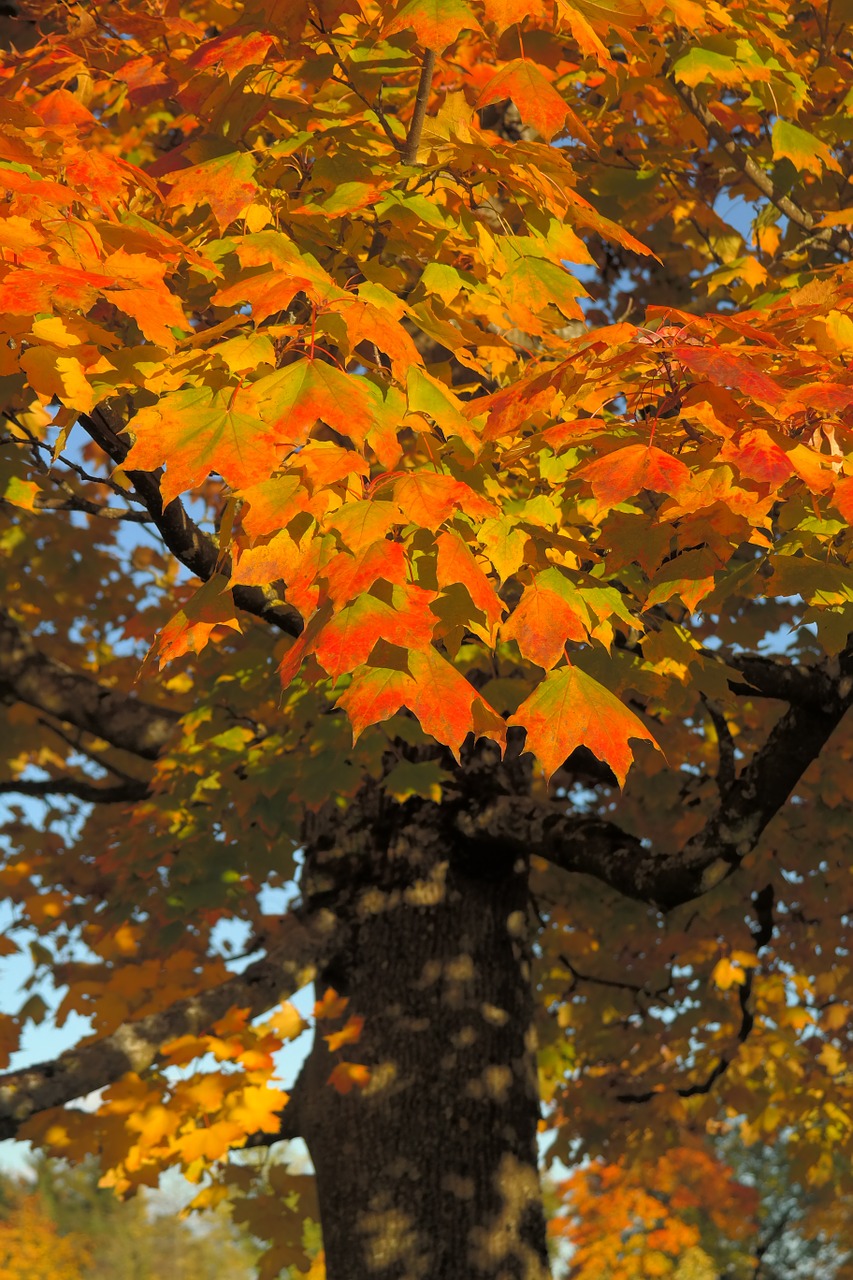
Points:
x=512, y=628
x=31, y=1247
x=718, y=1209
x=140, y=1239
x=63, y=1225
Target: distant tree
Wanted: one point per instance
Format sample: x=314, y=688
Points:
x=722, y=1211
x=684, y=1214
x=800, y=1233
x=73, y=1229
x=32, y=1247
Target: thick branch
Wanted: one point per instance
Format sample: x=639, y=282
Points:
x=195, y=549
x=755, y=797
x=590, y=846
x=302, y=945
x=594, y=847
x=762, y=181
x=27, y=675
x=791, y=682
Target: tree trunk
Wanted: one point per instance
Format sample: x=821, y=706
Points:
x=430, y=1171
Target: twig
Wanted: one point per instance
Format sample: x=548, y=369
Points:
x=726, y=745
x=76, y=787
x=375, y=107
x=763, y=902
x=87, y=508
x=73, y=501
x=633, y=987
x=413, y=139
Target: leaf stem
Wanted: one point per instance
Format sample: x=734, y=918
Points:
x=413, y=140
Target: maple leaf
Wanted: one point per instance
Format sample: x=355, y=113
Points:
x=569, y=709
x=731, y=369
x=688, y=577
x=199, y=430
x=270, y=505
x=62, y=376
x=295, y=655
x=504, y=544
x=257, y=1108
x=226, y=184
x=284, y=559
x=348, y=638
x=347, y=576
x=436, y=23
x=447, y=706
x=536, y=98
x=190, y=629
x=457, y=564
x=758, y=456
x=347, y=1076
x=548, y=614
x=626, y=472
x=364, y=521
x=295, y=398
x=210, y=1142
x=331, y=1004
x=806, y=152
x=371, y=324
x=272, y=291
x=532, y=283
x=374, y=694
x=350, y=1034
x=428, y=499
x=287, y=1022
x=142, y=294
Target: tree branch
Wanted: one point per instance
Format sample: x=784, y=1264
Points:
x=77, y=743
x=763, y=181
x=791, y=682
x=416, y=127
x=85, y=507
x=589, y=846
x=747, y=803
x=302, y=945
x=28, y=675
x=752, y=799
x=763, y=902
x=79, y=788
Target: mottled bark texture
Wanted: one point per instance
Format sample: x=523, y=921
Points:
x=430, y=1171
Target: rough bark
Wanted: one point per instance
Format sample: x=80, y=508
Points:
x=430, y=1171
